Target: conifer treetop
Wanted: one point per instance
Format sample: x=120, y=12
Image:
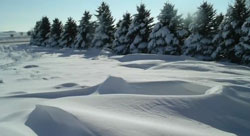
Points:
x=142, y=14
x=57, y=27
x=169, y=16
x=204, y=20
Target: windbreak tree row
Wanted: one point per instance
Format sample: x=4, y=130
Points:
x=206, y=34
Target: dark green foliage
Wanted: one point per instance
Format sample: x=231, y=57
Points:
x=230, y=31
x=187, y=21
x=169, y=17
x=242, y=50
x=44, y=30
x=55, y=34
x=217, y=22
x=204, y=21
x=104, y=33
x=164, y=37
x=69, y=34
x=35, y=38
x=121, y=42
x=140, y=30
x=86, y=31
x=56, y=28
x=199, y=43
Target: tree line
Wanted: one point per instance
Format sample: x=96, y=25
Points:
x=206, y=34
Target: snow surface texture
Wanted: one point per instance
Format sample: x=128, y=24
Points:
x=65, y=92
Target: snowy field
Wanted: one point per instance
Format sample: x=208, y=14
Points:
x=52, y=92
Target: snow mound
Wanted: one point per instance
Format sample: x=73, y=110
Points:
x=115, y=85
x=51, y=121
x=123, y=115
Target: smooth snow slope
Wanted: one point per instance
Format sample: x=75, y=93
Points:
x=64, y=92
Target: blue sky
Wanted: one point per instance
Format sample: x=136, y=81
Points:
x=21, y=15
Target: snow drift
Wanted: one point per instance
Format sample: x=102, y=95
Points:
x=45, y=91
x=51, y=121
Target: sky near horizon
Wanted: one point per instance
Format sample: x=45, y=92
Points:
x=21, y=15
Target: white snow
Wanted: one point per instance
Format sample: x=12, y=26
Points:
x=66, y=92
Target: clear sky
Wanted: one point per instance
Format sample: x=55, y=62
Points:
x=21, y=15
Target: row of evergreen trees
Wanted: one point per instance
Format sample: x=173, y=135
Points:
x=206, y=34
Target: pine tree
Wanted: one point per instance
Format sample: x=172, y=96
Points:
x=35, y=36
x=121, y=42
x=185, y=32
x=217, y=39
x=243, y=48
x=199, y=43
x=86, y=31
x=44, y=31
x=187, y=21
x=104, y=33
x=164, y=37
x=56, y=31
x=218, y=20
x=69, y=34
x=231, y=31
x=140, y=30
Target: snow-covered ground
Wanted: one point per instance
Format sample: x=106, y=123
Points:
x=52, y=92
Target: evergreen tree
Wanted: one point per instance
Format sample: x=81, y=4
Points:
x=164, y=37
x=121, y=42
x=185, y=32
x=187, y=21
x=69, y=34
x=35, y=36
x=218, y=20
x=199, y=43
x=140, y=30
x=231, y=31
x=55, y=33
x=44, y=31
x=217, y=37
x=86, y=31
x=243, y=48
x=104, y=33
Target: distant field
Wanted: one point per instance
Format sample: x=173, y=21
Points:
x=14, y=37
x=24, y=39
